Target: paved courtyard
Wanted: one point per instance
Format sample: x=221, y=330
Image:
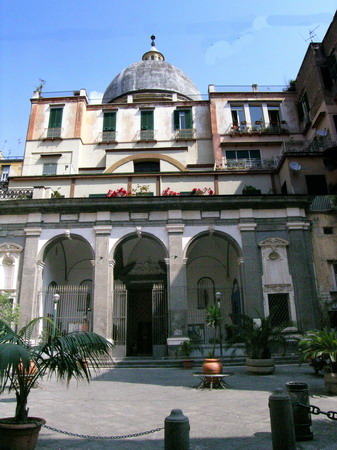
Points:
x=127, y=401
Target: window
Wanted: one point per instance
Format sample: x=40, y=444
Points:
x=183, y=123
x=206, y=292
x=4, y=173
x=146, y=166
x=238, y=117
x=55, y=122
x=279, y=308
x=316, y=184
x=8, y=272
x=146, y=125
x=49, y=169
x=327, y=230
x=256, y=116
x=303, y=108
x=243, y=158
x=109, y=126
x=274, y=116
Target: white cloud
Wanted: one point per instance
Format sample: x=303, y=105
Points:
x=222, y=49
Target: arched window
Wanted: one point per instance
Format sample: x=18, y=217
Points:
x=206, y=292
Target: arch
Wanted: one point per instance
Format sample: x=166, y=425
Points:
x=146, y=156
x=218, y=233
x=62, y=237
x=139, y=234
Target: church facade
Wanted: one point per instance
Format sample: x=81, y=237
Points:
x=143, y=209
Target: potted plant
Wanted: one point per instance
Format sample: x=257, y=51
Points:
x=259, y=337
x=213, y=320
x=322, y=343
x=23, y=363
x=250, y=190
x=185, y=350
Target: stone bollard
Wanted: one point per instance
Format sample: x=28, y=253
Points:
x=177, y=431
x=298, y=393
x=281, y=421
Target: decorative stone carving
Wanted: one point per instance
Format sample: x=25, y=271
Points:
x=276, y=276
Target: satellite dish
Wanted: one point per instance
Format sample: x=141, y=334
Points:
x=322, y=133
x=295, y=166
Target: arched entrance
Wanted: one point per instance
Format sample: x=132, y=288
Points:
x=139, y=297
x=212, y=267
x=68, y=273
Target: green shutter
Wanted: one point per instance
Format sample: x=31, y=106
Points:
x=146, y=120
x=109, y=122
x=188, y=119
x=55, y=118
x=176, y=119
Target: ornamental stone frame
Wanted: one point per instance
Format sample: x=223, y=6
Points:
x=276, y=278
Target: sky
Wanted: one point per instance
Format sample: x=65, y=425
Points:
x=75, y=44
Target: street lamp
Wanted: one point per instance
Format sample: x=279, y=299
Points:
x=56, y=299
x=218, y=297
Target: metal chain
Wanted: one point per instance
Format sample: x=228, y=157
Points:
x=316, y=410
x=88, y=436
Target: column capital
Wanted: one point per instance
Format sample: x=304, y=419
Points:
x=112, y=263
x=247, y=226
x=175, y=228
x=40, y=264
x=102, y=229
x=33, y=231
x=297, y=225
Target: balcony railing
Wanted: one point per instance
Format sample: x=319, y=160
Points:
x=185, y=133
x=107, y=136
x=147, y=135
x=54, y=133
x=318, y=144
x=250, y=164
x=16, y=194
x=259, y=127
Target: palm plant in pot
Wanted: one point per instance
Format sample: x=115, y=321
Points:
x=213, y=320
x=260, y=337
x=23, y=363
x=185, y=350
x=322, y=343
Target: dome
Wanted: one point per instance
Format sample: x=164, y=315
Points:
x=154, y=74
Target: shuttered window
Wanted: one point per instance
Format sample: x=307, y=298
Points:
x=109, y=121
x=55, y=118
x=146, y=120
x=183, y=119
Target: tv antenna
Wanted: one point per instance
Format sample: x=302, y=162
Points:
x=312, y=34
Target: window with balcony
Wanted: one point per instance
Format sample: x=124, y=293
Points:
x=303, y=108
x=49, y=169
x=109, y=126
x=4, y=173
x=146, y=125
x=238, y=118
x=183, y=124
x=274, y=117
x=244, y=159
x=55, y=123
x=256, y=117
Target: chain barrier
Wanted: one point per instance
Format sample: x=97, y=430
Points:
x=88, y=436
x=316, y=411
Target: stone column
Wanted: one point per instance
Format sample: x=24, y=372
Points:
x=102, y=282
x=177, y=301
x=251, y=271
x=302, y=271
x=28, y=291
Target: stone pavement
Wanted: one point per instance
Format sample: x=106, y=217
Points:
x=126, y=401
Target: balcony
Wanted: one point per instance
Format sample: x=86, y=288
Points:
x=318, y=144
x=146, y=135
x=258, y=127
x=107, y=136
x=54, y=133
x=185, y=134
x=15, y=194
x=249, y=164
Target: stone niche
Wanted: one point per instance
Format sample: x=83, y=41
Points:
x=276, y=276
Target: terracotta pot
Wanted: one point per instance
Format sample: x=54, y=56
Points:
x=19, y=436
x=187, y=363
x=212, y=365
x=330, y=381
x=260, y=366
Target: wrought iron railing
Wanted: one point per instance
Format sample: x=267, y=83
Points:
x=185, y=133
x=147, y=135
x=107, y=136
x=317, y=144
x=53, y=133
x=259, y=127
x=249, y=163
x=16, y=194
